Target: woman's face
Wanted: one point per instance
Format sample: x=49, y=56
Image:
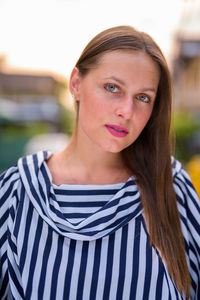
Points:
x=116, y=99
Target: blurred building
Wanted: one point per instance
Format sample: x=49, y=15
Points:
x=29, y=97
x=30, y=105
x=186, y=58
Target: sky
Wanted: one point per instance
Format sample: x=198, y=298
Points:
x=49, y=35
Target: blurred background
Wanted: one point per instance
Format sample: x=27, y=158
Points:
x=40, y=42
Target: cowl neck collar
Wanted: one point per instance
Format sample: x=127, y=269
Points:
x=124, y=205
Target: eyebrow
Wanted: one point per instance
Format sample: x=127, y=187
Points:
x=116, y=79
x=150, y=89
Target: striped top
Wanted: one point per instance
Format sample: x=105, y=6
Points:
x=86, y=242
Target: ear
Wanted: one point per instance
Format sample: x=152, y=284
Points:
x=74, y=83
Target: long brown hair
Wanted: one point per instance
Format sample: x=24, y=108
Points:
x=149, y=157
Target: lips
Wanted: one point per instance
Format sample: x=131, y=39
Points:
x=117, y=130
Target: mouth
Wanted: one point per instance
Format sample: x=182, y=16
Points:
x=116, y=130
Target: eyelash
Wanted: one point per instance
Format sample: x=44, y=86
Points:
x=109, y=85
x=145, y=101
x=112, y=85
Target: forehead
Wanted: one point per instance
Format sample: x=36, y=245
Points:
x=133, y=65
x=125, y=55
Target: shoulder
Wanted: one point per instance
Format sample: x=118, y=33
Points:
x=11, y=178
x=184, y=189
x=188, y=204
x=183, y=186
x=8, y=178
x=9, y=188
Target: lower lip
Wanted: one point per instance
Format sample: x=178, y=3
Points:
x=116, y=133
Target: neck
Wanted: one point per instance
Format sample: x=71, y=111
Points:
x=92, y=158
x=86, y=162
x=82, y=163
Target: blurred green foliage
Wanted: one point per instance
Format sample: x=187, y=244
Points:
x=184, y=124
x=67, y=120
x=13, y=139
x=15, y=136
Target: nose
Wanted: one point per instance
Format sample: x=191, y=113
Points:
x=125, y=108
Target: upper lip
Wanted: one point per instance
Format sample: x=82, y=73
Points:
x=117, y=127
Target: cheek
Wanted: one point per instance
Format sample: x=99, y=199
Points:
x=147, y=116
x=142, y=119
x=94, y=106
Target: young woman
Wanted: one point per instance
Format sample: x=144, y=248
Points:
x=112, y=216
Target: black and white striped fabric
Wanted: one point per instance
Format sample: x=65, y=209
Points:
x=86, y=241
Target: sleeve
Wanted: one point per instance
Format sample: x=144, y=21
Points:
x=189, y=209
x=7, y=183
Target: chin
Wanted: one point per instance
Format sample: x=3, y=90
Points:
x=114, y=151
x=114, y=148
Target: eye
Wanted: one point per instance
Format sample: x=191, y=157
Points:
x=144, y=98
x=112, y=88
